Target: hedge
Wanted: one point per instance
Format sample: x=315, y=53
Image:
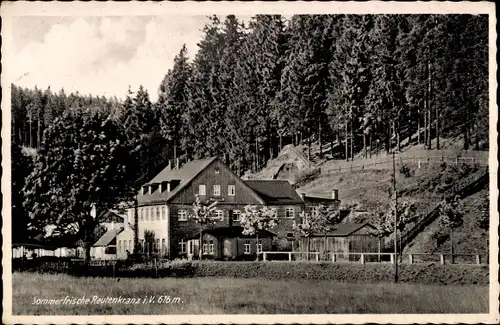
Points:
x=429, y=273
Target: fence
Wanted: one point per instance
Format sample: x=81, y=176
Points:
x=363, y=258
x=386, y=163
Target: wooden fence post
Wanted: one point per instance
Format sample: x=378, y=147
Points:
x=392, y=258
x=289, y=256
x=441, y=257
x=362, y=259
x=333, y=257
x=410, y=258
x=478, y=259
x=317, y=257
x=264, y=256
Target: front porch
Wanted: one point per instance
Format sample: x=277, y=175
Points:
x=227, y=243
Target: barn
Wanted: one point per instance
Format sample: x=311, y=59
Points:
x=342, y=239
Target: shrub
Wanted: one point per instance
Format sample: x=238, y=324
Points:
x=405, y=171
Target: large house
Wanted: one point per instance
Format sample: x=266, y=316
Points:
x=164, y=204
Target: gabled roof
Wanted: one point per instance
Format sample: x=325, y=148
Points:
x=343, y=230
x=110, y=216
x=278, y=192
x=108, y=237
x=185, y=174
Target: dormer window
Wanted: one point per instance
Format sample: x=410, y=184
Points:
x=217, y=171
x=160, y=187
x=150, y=189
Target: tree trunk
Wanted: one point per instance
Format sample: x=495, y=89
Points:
x=379, y=247
x=418, y=127
x=256, y=155
x=352, y=140
x=174, y=145
x=271, y=153
x=429, y=119
x=38, y=131
x=326, y=248
x=331, y=147
x=451, y=242
x=309, y=144
x=136, y=227
x=364, y=146
x=398, y=135
x=257, y=245
x=200, y=245
x=281, y=142
x=426, y=133
x=370, y=143
x=320, y=139
x=346, y=142
x=31, y=130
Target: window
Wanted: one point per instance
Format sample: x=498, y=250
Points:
x=157, y=213
x=202, y=189
x=119, y=245
x=205, y=247
x=182, y=215
x=275, y=211
x=289, y=236
x=163, y=246
x=211, y=247
x=130, y=245
x=247, y=247
x=289, y=213
x=164, y=212
x=141, y=213
x=219, y=214
x=182, y=246
x=147, y=214
x=126, y=246
x=259, y=246
x=236, y=215
x=142, y=245
x=231, y=190
x=217, y=171
x=217, y=190
x=157, y=248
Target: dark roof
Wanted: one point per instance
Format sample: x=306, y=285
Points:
x=318, y=198
x=343, y=229
x=108, y=237
x=275, y=191
x=229, y=232
x=110, y=216
x=184, y=175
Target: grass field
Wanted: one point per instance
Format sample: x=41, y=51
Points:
x=235, y=296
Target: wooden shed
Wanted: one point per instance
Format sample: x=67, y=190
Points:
x=342, y=239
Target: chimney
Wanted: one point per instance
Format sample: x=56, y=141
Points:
x=142, y=190
x=335, y=194
x=178, y=163
x=160, y=187
x=168, y=187
x=150, y=189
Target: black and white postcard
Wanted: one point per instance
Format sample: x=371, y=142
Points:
x=212, y=162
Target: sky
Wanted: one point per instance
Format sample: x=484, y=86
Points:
x=100, y=55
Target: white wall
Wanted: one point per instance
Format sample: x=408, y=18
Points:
x=147, y=221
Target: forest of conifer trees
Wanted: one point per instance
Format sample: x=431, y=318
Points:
x=351, y=81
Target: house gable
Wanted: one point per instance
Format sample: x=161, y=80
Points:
x=217, y=173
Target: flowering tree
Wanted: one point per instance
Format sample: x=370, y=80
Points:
x=384, y=222
x=451, y=217
x=319, y=220
x=255, y=219
x=204, y=215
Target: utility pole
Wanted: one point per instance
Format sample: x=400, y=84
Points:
x=395, y=217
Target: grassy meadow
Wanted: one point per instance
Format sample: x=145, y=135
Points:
x=220, y=295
